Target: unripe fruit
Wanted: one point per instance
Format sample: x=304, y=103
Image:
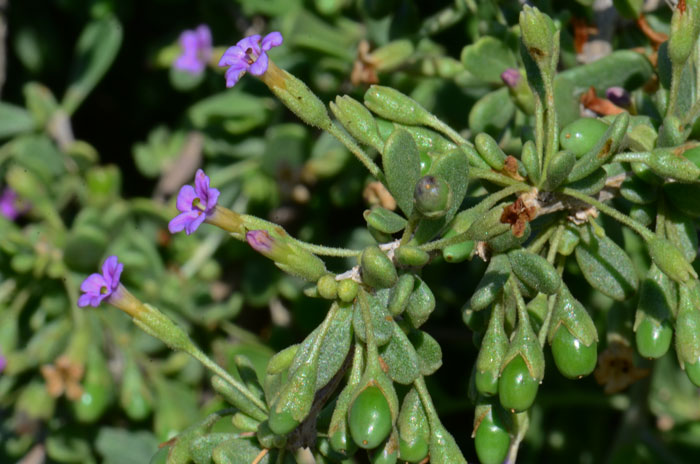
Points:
x=491, y=439
x=369, y=418
x=432, y=196
x=653, y=340
x=572, y=357
x=517, y=389
x=377, y=269
x=580, y=136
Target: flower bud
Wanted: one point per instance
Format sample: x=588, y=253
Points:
x=395, y=106
x=432, y=196
x=297, y=97
x=347, y=290
x=357, y=120
x=377, y=269
x=287, y=255
x=685, y=27
x=519, y=90
x=327, y=287
x=538, y=35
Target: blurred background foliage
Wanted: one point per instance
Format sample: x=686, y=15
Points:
x=98, y=133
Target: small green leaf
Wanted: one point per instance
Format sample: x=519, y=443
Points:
x=401, y=358
x=14, y=120
x=384, y=220
x=402, y=168
x=606, y=267
x=492, y=112
x=96, y=49
x=487, y=59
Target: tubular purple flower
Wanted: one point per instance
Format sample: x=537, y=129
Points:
x=3, y=363
x=248, y=55
x=195, y=204
x=196, y=50
x=511, y=77
x=98, y=287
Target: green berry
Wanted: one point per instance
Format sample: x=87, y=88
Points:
x=415, y=451
x=491, y=440
x=580, y=136
x=517, y=389
x=572, y=357
x=432, y=196
x=653, y=340
x=370, y=418
x=341, y=443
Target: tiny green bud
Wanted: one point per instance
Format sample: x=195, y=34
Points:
x=670, y=260
x=432, y=196
x=327, y=287
x=377, y=269
x=358, y=121
x=685, y=27
x=296, y=96
x=395, y=106
x=538, y=35
x=347, y=290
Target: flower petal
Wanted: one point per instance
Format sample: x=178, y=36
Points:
x=188, y=42
x=93, y=284
x=85, y=300
x=201, y=185
x=273, y=39
x=233, y=74
x=252, y=42
x=179, y=222
x=192, y=225
x=112, y=271
x=260, y=66
x=212, y=197
x=185, y=198
x=233, y=56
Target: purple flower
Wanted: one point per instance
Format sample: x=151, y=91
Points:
x=248, y=55
x=8, y=204
x=97, y=287
x=196, y=50
x=3, y=362
x=619, y=96
x=511, y=77
x=195, y=204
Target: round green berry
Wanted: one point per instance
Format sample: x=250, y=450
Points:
x=517, y=389
x=580, y=136
x=572, y=357
x=370, y=418
x=653, y=340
